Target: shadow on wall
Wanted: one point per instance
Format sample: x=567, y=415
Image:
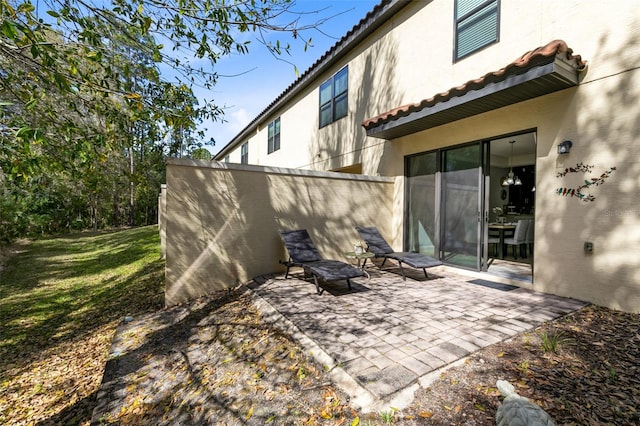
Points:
x=604, y=118
x=344, y=142
x=222, y=220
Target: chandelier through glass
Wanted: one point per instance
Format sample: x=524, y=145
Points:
x=511, y=179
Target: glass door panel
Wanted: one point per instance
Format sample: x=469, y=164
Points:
x=421, y=230
x=460, y=206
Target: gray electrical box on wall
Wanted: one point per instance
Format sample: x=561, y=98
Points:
x=588, y=247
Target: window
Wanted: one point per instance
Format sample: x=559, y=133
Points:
x=274, y=136
x=244, y=153
x=477, y=25
x=226, y=158
x=333, y=97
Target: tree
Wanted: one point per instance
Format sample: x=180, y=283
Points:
x=86, y=118
x=187, y=30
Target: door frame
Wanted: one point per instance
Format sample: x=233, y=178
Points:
x=484, y=184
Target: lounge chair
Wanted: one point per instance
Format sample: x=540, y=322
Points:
x=303, y=253
x=379, y=247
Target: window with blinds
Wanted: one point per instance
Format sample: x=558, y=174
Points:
x=273, y=137
x=477, y=25
x=333, y=97
x=244, y=153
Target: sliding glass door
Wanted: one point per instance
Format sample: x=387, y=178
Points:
x=444, y=205
x=460, y=206
x=422, y=201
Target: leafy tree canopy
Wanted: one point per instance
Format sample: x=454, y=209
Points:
x=188, y=36
x=87, y=119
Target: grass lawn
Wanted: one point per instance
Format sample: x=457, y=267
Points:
x=61, y=300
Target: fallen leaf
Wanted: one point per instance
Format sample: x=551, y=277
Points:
x=325, y=414
x=249, y=413
x=425, y=414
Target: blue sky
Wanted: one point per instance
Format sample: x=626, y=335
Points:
x=258, y=78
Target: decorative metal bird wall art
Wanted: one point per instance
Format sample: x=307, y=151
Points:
x=577, y=192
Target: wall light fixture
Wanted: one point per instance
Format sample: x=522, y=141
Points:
x=564, y=147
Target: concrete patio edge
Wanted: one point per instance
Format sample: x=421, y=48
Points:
x=360, y=397
x=381, y=345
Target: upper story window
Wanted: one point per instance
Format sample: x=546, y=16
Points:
x=333, y=97
x=244, y=153
x=477, y=25
x=226, y=158
x=274, y=136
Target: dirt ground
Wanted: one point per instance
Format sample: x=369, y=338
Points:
x=591, y=378
x=220, y=363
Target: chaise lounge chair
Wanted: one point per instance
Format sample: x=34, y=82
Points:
x=379, y=247
x=303, y=253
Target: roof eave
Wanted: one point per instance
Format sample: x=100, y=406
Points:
x=555, y=75
x=377, y=17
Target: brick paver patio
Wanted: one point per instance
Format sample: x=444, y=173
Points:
x=387, y=335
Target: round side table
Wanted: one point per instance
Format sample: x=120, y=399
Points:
x=361, y=259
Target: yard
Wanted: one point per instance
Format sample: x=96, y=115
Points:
x=61, y=300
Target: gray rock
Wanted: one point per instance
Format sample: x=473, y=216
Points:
x=516, y=410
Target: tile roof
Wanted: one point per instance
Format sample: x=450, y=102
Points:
x=367, y=25
x=538, y=56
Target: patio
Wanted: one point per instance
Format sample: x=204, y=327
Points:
x=386, y=337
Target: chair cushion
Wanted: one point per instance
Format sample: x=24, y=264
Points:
x=416, y=260
x=300, y=246
x=376, y=244
x=519, y=235
x=333, y=270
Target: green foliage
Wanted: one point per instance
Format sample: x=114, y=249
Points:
x=523, y=367
x=387, y=416
x=201, y=154
x=194, y=29
x=86, y=120
x=551, y=342
x=63, y=286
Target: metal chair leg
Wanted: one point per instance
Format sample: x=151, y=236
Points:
x=315, y=281
x=402, y=271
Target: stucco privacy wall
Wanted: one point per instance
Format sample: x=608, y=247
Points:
x=222, y=220
x=162, y=225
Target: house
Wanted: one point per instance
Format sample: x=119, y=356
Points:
x=450, y=117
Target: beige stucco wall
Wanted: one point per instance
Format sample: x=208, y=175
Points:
x=222, y=220
x=600, y=117
x=410, y=59
x=602, y=121
x=162, y=221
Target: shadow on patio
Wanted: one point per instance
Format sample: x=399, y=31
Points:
x=217, y=359
x=387, y=336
